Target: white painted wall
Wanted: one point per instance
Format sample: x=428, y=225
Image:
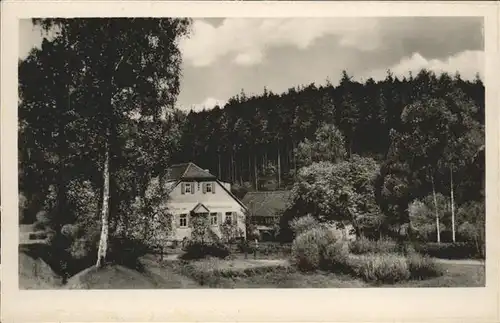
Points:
x=218, y=201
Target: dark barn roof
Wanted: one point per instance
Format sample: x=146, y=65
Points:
x=266, y=204
x=187, y=171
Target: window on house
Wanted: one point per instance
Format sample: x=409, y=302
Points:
x=229, y=217
x=208, y=187
x=183, y=220
x=187, y=187
x=213, y=218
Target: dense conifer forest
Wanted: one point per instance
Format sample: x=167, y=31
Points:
x=252, y=139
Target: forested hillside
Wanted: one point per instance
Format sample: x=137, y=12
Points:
x=251, y=141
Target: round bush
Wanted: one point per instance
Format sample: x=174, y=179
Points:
x=309, y=247
x=303, y=224
x=422, y=267
x=335, y=257
x=198, y=250
x=381, y=268
x=363, y=245
x=305, y=254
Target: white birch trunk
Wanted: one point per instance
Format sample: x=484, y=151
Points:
x=452, y=206
x=279, y=167
x=103, y=241
x=436, y=210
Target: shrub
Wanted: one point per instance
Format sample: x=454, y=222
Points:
x=305, y=253
x=22, y=206
x=457, y=250
x=126, y=251
x=43, y=221
x=335, y=257
x=70, y=230
x=380, y=268
x=408, y=248
x=244, y=246
x=308, y=249
x=422, y=267
x=198, y=250
x=203, y=276
x=363, y=245
x=274, y=249
x=303, y=224
x=208, y=275
x=38, y=236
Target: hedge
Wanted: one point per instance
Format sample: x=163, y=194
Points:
x=449, y=250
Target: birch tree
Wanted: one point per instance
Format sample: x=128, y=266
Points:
x=129, y=68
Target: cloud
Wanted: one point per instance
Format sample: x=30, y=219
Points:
x=468, y=63
x=208, y=104
x=246, y=41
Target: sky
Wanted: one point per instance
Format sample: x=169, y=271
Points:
x=223, y=56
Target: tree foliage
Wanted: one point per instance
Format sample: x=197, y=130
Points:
x=98, y=95
x=342, y=193
x=328, y=145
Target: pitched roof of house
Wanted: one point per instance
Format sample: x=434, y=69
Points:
x=266, y=203
x=187, y=171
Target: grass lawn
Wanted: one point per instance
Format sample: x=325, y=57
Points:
x=294, y=279
x=456, y=275
x=231, y=273
x=249, y=273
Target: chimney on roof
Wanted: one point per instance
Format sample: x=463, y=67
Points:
x=206, y=170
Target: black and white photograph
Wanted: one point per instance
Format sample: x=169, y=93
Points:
x=231, y=152
x=251, y=153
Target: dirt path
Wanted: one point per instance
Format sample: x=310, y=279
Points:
x=460, y=261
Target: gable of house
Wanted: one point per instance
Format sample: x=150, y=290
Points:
x=190, y=184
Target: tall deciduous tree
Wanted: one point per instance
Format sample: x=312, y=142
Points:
x=342, y=193
x=128, y=67
x=328, y=145
x=438, y=134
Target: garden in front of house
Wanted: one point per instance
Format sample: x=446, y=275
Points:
x=315, y=259
x=220, y=273
x=320, y=257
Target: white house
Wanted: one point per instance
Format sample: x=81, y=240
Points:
x=196, y=190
